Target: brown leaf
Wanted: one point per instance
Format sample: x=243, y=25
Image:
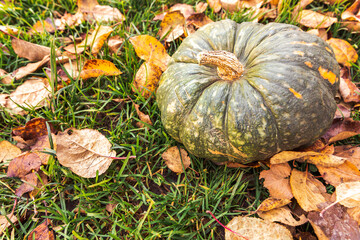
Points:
x=342, y=110
x=30, y=51
x=348, y=90
x=347, y=172
x=283, y=215
x=41, y=145
x=102, y=13
x=354, y=213
x=43, y=26
x=277, y=181
x=320, y=32
x=31, y=94
x=345, y=53
x=8, y=151
x=185, y=9
x=231, y=5
x=33, y=129
x=198, y=20
x=23, y=165
x=176, y=159
x=95, y=40
x=5, y=77
x=352, y=153
x=4, y=223
x=215, y=5
x=313, y=19
x=30, y=182
x=86, y=5
x=115, y=43
x=172, y=26
x=29, y=68
x=342, y=129
x=151, y=50
x=143, y=117
x=335, y=223
x=147, y=79
x=69, y=20
x=352, y=13
x=201, y=7
x=272, y=203
x=353, y=27
x=255, y=228
x=42, y=232
x=323, y=159
x=98, y=67
x=300, y=6
x=86, y=152
x=309, y=192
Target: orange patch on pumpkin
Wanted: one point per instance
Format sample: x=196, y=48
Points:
x=329, y=75
x=296, y=94
x=299, y=53
x=305, y=43
x=309, y=64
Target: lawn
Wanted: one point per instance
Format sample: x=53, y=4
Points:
x=140, y=197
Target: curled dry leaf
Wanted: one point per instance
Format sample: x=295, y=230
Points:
x=309, y=192
x=342, y=111
x=346, y=172
x=185, y=9
x=345, y=53
x=198, y=20
x=98, y=67
x=352, y=13
x=334, y=223
x=95, y=40
x=172, y=26
x=29, y=68
x=348, y=90
x=30, y=51
x=215, y=5
x=42, y=232
x=176, y=159
x=102, y=13
x=151, y=50
x=283, y=215
x=85, y=151
x=32, y=93
x=352, y=153
x=8, y=151
x=4, y=223
x=143, y=117
x=255, y=228
x=5, y=77
x=320, y=32
x=147, y=79
x=43, y=26
x=272, y=203
x=342, y=129
x=348, y=194
x=115, y=43
x=201, y=7
x=23, y=165
x=276, y=180
x=313, y=19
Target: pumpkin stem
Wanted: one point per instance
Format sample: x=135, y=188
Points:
x=228, y=66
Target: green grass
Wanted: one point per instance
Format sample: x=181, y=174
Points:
x=151, y=201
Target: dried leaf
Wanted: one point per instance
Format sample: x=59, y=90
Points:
x=176, y=159
x=300, y=6
x=115, y=43
x=198, y=20
x=215, y=5
x=172, y=26
x=86, y=5
x=143, y=117
x=102, y=13
x=85, y=151
x=277, y=181
x=347, y=172
x=43, y=26
x=348, y=90
x=345, y=53
x=201, y=7
x=342, y=111
x=353, y=27
x=334, y=223
x=342, y=129
x=283, y=215
x=98, y=67
x=30, y=51
x=8, y=151
x=272, y=203
x=23, y=165
x=185, y=9
x=31, y=94
x=352, y=153
x=348, y=194
x=9, y=29
x=41, y=145
x=5, y=77
x=352, y=13
x=69, y=20
x=42, y=232
x=29, y=68
x=95, y=40
x=320, y=32
x=147, y=79
x=313, y=19
x=4, y=223
x=231, y=5
x=33, y=129
x=354, y=213
x=151, y=50
x=30, y=183
x=255, y=228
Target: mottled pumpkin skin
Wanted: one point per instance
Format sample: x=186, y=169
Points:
x=283, y=100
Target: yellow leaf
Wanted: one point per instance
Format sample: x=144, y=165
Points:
x=283, y=215
x=346, y=172
x=147, y=79
x=344, y=52
x=313, y=19
x=176, y=159
x=172, y=26
x=151, y=50
x=98, y=67
x=348, y=194
x=272, y=203
x=8, y=151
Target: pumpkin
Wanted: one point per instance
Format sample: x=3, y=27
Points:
x=244, y=92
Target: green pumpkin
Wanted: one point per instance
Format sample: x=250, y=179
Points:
x=244, y=92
